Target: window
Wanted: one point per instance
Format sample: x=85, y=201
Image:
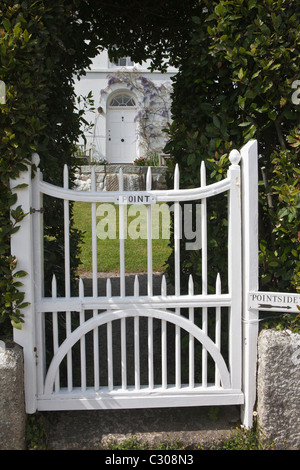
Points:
x=122, y=100
x=123, y=62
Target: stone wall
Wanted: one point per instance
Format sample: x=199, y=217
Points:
x=278, y=394
x=12, y=406
x=107, y=177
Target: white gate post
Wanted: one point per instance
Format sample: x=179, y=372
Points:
x=22, y=249
x=249, y=165
x=235, y=270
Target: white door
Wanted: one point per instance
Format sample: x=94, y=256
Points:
x=121, y=135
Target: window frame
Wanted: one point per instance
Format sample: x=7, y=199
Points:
x=123, y=104
x=128, y=63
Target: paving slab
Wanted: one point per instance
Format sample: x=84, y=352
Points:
x=193, y=428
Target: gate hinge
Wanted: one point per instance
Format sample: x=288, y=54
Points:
x=33, y=210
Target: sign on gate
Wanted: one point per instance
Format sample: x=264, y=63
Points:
x=136, y=198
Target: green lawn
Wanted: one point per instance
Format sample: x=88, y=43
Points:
x=108, y=249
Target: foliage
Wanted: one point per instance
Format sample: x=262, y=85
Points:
x=38, y=61
x=84, y=104
x=133, y=443
x=152, y=160
x=11, y=300
x=101, y=161
x=245, y=439
x=238, y=66
x=141, y=161
x=283, y=321
x=43, y=45
x=235, y=85
x=280, y=259
x=141, y=29
x=35, y=432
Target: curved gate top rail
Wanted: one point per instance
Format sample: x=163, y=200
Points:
x=53, y=382
x=171, y=195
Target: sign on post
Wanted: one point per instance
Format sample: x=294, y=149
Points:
x=274, y=301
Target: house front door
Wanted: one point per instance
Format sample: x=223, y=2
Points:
x=121, y=135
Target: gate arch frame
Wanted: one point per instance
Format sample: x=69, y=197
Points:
x=107, y=316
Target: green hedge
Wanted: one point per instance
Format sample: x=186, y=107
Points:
x=237, y=84
x=234, y=83
x=41, y=48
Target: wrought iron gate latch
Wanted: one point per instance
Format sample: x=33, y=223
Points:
x=33, y=210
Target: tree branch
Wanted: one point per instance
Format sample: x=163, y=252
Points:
x=277, y=123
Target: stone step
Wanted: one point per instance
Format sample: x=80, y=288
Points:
x=193, y=428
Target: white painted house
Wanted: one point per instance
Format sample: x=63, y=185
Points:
x=132, y=106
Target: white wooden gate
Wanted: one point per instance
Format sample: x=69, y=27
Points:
x=63, y=383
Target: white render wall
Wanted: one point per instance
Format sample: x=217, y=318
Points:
x=96, y=81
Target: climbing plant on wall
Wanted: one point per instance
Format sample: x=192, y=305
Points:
x=153, y=110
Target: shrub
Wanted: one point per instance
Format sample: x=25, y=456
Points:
x=41, y=47
x=237, y=84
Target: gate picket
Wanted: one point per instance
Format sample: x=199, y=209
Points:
x=55, y=329
x=218, y=328
x=204, y=269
